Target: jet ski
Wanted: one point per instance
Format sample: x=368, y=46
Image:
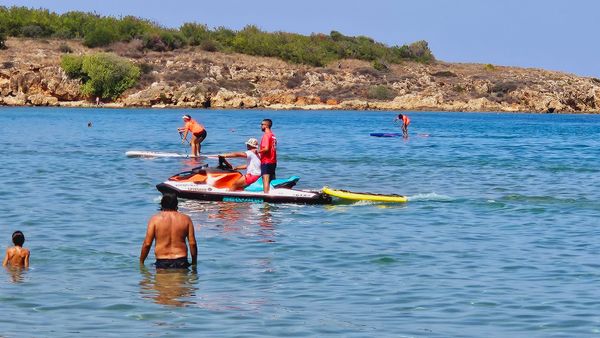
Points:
x=214, y=184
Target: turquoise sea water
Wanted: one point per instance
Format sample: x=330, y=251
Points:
x=500, y=236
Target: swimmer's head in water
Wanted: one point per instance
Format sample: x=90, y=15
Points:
x=18, y=238
x=168, y=202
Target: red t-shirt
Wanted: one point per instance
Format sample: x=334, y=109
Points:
x=268, y=140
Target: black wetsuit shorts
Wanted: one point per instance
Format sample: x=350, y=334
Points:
x=201, y=135
x=176, y=263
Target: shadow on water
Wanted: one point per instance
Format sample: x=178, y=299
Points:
x=176, y=287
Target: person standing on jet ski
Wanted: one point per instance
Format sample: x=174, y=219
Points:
x=268, y=154
x=252, y=165
x=198, y=134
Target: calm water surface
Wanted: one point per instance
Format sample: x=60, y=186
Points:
x=500, y=236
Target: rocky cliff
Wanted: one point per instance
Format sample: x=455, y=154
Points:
x=30, y=74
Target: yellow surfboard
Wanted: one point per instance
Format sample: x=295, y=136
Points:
x=360, y=196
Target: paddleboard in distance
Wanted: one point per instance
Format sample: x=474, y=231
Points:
x=364, y=196
x=386, y=134
x=149, y=154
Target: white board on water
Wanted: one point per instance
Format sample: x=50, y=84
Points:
x=145, y=153
x=142, y=153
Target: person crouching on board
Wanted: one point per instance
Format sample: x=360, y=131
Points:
x=198, y=134
x=405, y=122
x=252, y=165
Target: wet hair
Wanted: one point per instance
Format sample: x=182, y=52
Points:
x=269, y=122
x=400, y=116
x=168, y=202
x=18, y=238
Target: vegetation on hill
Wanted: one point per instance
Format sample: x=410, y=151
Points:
x=100, y=31
x=103, y=75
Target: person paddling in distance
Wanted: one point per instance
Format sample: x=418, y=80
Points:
x=252, y=165
x=198, y=134
x=268, y=154
x=405, y=122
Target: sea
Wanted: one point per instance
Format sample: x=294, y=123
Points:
x=500, y=236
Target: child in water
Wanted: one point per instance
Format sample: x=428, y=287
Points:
x=17, y=256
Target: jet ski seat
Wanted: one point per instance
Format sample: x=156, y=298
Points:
x=278, y=183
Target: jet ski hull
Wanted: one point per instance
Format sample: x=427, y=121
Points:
x=276, y=195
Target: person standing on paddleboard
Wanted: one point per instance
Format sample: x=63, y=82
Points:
x=198, y=134
x=405, y=122
x=268, y=154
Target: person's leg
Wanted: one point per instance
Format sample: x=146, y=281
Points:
x=194, y=144
x=266, y=181
x=239, y=184
x=201, y=138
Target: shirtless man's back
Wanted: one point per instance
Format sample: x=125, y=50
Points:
x=170, y=229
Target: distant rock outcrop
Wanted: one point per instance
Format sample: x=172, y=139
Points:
x=30, y=74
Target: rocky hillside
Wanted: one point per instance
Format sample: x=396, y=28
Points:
x=30, y=74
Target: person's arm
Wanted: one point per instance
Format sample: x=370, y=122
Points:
x=267, y=144
x=147, y=241
x=230, y=155
x=5, y=261
x=192, y=242
x=27, y=259
x=184, y=130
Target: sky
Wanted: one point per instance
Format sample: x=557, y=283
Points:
x=549, y=34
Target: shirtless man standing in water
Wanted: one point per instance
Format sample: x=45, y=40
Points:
x=170, y=228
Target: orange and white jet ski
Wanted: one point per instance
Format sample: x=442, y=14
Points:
x=214, y=184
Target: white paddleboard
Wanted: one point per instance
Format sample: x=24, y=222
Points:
x=144, y=153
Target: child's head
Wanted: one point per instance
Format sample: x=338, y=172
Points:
x=18, y=238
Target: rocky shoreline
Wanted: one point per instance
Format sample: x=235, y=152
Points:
x=30, y=75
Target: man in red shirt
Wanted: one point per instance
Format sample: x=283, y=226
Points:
x=268, y=154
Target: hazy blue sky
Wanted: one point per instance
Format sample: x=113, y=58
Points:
x=550, y=34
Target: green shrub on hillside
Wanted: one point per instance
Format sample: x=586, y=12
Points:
x=164, y=41
x=99, y=36
x=104, y=75
x=99, y=31
x=72, y=65
x=381, y=93
x=380, y=65
x=420, y=51
x=195, y=33
x=33, y=31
